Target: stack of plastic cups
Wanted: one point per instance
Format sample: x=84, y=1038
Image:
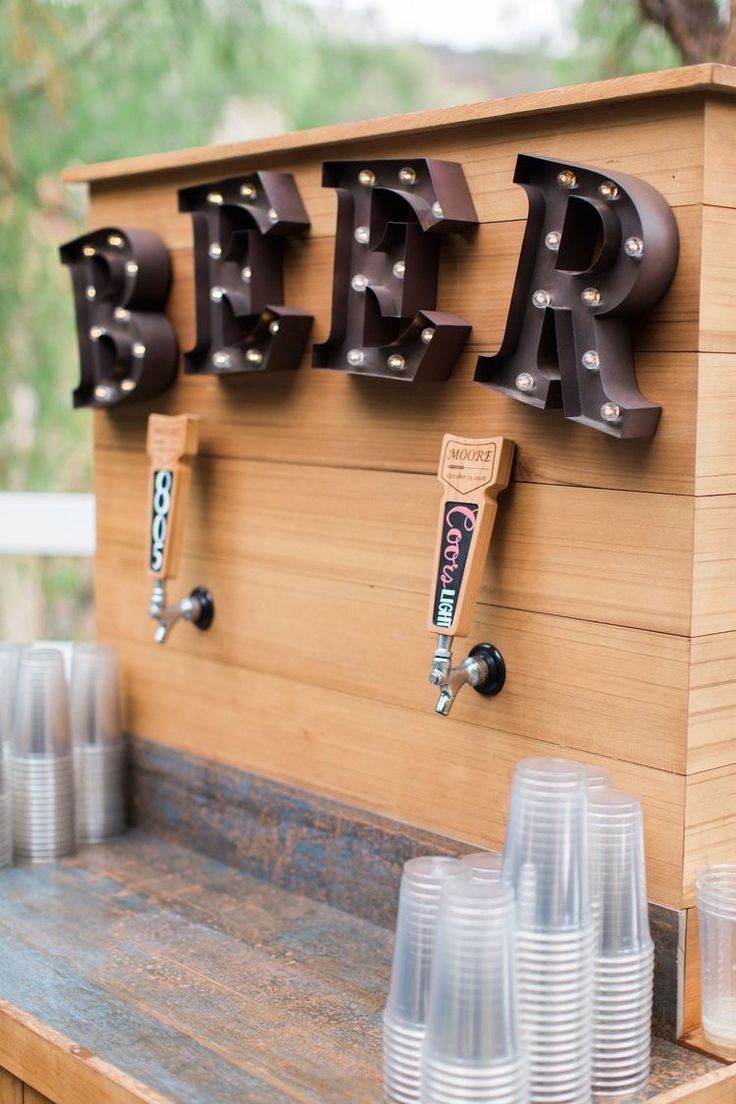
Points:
x=624, y=959
x=546, y=862
x=41, y=767
x=99, y=751
x=716, y=899
x=9, y=657
x=472, y=1047
x=485, y=865
x=405, y=1017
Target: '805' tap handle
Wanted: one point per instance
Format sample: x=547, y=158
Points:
x=472, y=472
x=171, y=444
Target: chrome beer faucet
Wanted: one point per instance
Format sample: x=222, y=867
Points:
x=197, y=607
x=472, y=473
x=171, y=444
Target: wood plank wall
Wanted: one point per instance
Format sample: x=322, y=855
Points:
x=609, y=588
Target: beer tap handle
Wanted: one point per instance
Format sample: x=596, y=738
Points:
x=171, y=445
x=472, y=473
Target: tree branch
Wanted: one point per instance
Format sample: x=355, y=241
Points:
x=693, y=26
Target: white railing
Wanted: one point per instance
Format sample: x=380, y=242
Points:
x=47, y=524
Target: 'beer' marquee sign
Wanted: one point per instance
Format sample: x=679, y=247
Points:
x=599, y=249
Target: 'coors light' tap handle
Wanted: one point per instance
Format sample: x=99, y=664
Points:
x=472, y=473
x=171, y=444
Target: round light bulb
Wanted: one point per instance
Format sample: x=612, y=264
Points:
x=552, y=240
x=89, y=251
x=367, y=178
x=253, y=356
x=127, y=385
x=362, y=235
x=274, y=328
x=90, y=292
x=437, y=210
x=214, y=198
x=427, y=334
x=139, y=350
x=356, y=357
x=121, y=314
x=273, y=214
x=407, y=175
x=591, y=360
x=541, y=298
x=216, y=294
x=215, y=250
x=591, y=297
x=525, y=381
x=396, y=362
x=248, y=191
x=359, y=282
x=96, y=333
x=610, y=412
x=221, y=359
x=115, y=241
x=399, y=269
x=131, y=268
x=246, y=273
x=566, y=178
x=634, y=247
x=608, y=190
x=103, y=392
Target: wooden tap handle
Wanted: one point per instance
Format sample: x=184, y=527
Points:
x=472, y=474
x=171, y=443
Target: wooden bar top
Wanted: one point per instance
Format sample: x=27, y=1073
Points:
x=694, y=78
x=143, y=971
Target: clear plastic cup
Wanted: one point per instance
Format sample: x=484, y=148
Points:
x=93, y=696
x=546, y=854
x=624, y=962
x=715, y=889
x=484, y=864
x=404, y=1019
x=41, y=712
x=40, y=761
x=472, y=1047
x=546, y=861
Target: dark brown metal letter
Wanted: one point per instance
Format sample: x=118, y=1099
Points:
x=127, y=346
x=599, y=249
x=239, y=230
x=389, y=220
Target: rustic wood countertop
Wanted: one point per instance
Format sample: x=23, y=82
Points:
x=143, y=971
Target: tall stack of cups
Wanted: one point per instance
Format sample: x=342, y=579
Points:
x=716, y=899
x=9, y=657
x=99, y=751
x=472, y=1047
x=41, y=766
x=624, y=956
x=405, y=1017
x=546, y=862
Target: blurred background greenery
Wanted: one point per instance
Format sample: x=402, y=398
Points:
x=90, y=80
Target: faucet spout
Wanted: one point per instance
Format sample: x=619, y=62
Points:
x=483, y=669
x=197, y=607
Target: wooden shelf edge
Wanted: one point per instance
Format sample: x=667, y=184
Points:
x=694, y=78
x=696, y=1040
x=718, y=1087
x=62, y=1070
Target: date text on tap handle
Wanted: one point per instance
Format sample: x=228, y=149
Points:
x=163, y=489
x=458, y=528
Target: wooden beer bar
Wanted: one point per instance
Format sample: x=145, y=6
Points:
x=610, y=588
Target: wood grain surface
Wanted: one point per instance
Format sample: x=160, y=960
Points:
x=611, y=581
x=183, y=980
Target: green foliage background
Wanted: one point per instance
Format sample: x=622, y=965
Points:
x=91, y=80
